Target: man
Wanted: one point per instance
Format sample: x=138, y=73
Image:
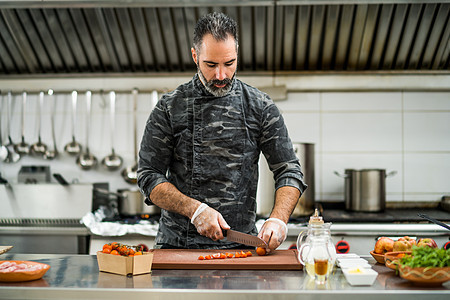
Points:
x=199, y=154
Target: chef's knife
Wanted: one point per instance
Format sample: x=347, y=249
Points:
x=243, y=238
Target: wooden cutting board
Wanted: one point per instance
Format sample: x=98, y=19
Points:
x=188, y=259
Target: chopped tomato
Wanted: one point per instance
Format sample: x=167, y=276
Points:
x=229, y=255
x=216, y=255
x=248, y=253
x=201, y=257
x=222, y=256
x=208, y=257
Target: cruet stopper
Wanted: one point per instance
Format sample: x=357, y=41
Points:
x=316, y=219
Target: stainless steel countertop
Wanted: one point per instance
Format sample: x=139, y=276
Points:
x=77, y=277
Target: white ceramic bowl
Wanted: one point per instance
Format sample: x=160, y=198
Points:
x=347, y=256
x=348, y=263
x=360, y=276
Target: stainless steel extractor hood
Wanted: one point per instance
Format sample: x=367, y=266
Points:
x=52, y=38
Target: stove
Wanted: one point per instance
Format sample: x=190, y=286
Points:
x=49, y=236
x=357, y=232
x=409, y=215
x=45, y=218
x=388, y=216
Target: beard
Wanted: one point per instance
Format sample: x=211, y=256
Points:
x=211, y=85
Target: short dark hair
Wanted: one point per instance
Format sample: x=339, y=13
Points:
x=218, y=25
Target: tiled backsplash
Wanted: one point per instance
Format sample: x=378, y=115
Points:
x=407, y=132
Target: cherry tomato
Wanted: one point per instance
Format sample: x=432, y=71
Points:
x=261, y=251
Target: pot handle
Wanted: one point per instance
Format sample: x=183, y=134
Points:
x=108, y=193
x=392, y=173
x=343, y=175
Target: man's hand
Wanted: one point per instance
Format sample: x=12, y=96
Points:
x=209, y=223
x=273, y=232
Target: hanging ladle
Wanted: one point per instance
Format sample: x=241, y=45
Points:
x=129, y=174
x=3, y=149
x=39, y=148
x=113, y=161
x=22, y=147
x=73, y=148
x=86, y=160
x=52, y=154
x=13, y=156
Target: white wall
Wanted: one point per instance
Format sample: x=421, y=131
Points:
x=406, y=130
x=100, y=137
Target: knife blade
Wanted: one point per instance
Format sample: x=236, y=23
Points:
x=243, y=238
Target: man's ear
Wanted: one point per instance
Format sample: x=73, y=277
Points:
x=194, y=55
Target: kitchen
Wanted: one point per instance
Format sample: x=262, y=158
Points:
x=385, y=108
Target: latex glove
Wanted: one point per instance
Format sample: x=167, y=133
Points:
x=209, y=222
x=273, y=232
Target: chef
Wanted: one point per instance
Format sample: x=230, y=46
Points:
x=198, y=159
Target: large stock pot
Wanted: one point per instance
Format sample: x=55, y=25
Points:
x=365, y=190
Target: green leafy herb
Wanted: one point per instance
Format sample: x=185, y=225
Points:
x=427, y=257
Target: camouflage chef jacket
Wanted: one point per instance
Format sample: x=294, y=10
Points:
x=209, y=148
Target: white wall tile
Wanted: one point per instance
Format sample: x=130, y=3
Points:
x=362, y=132
x=349, y=101
x=427, y=173
x=303, y=127
x=300, y=102
x=426, y=101
x=427, y=131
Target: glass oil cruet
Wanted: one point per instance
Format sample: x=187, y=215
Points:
x=316, y=250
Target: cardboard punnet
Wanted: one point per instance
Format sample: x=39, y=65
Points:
x=124, y=265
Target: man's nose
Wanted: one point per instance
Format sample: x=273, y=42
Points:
x=220, y=73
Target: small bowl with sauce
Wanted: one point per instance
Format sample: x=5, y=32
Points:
x=360, y=276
